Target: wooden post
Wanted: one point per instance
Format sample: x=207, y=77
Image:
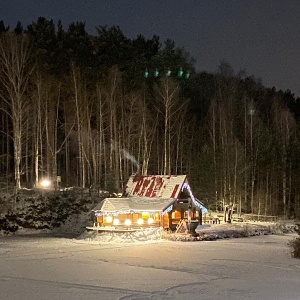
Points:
x=229, y=215
x=200, y=216
x=225, y=213
x=182, y=214
x=170, y=219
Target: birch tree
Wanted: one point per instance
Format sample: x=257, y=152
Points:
x=170, y=107
x=15, y=73
x=285, y=126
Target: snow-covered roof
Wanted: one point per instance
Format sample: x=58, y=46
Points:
x=155, y=186
x=199, y=204
x=152, y=193
x=133, y=204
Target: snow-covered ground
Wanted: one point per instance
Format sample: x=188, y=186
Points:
x=42, y=267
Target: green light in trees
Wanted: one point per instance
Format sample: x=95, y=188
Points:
x=156, y=73
x=146, y=74
x=168, y=73
x=187, y=75
x=180, y=73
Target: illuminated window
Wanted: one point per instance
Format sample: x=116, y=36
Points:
x=145, y=215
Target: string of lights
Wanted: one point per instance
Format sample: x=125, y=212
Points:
x=180, y=73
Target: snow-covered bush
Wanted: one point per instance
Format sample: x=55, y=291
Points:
x=295, y=243
x=36, y=210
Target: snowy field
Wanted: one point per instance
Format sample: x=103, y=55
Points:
x=38, y=267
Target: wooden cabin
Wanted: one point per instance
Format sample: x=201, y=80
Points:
x=152, y=201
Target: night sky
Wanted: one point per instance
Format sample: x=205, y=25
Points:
x=260, y=36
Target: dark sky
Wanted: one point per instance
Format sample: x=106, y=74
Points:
x=261, y=36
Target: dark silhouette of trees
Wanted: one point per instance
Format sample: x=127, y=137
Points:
x=93, y=109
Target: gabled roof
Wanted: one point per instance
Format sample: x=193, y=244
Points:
x=153, y=193
x=132, y=204
x=199, y=204
x=155, y=186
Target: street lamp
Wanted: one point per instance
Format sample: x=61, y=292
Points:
x=45, y=183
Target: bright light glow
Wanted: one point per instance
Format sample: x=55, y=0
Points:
x=140, y=221
x=45, y=183
x=127, y=222
x=109, y=219
x=116, y=222
x=150, y=220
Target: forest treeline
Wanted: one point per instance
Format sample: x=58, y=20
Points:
x=93, y=109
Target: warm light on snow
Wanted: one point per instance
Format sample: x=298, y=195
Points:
x=259, y=267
